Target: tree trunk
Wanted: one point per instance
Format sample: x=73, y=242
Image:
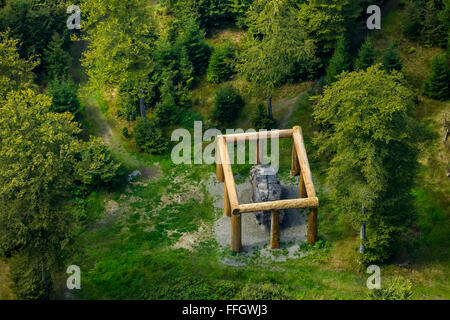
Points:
x=269, y=104
x=142, y=102
x=362, y=236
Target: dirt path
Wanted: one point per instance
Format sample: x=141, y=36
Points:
x=283, y=109
x=100, y=127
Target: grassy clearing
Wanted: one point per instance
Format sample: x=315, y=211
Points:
x=129, y=249
x=5, y=292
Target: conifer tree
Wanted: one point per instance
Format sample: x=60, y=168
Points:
x=391, y=60
x=437, y=85
x=366, y=56
x=339, y=61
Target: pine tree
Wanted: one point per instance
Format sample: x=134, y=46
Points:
x=56, y=59
x=433, y=31
x=366, y=56
x=339, y=61
x=391, y=60
x=437, y=85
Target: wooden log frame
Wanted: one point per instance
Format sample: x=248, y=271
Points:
x=300, y=167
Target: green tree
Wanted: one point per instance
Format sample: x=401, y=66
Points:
x=148, y=136
x=64, y=97
x=339, y=61
x=34, y=22
x=167, y=110
x=437, y=85
x=366, y=56
x=15, y=73
x=368, y=137
x=261, y=120
x=40, y=160
x=228, y=103
x=433, y=31
x=221, y=64
x=275, y=48
x=56, y=60
x=411, y=21
x=121, y=37
x=391, y=60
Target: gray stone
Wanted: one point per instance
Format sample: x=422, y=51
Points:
x=265, y=187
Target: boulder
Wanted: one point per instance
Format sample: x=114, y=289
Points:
x=265, y=187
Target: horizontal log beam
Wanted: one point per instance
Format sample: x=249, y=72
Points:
x=250, y=136
x=305, y=171
x=278, y=205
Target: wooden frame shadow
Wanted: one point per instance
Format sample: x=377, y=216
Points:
x=299, y=167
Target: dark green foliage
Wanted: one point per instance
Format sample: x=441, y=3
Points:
x=261, y=120
x=391, y=60
x=366, y=56
x=167, y=110
x=221, y=64
x=228, y=103
x=56, y=60
x=438, y=83
x=125, y=132
x=128, y=101
x=433, y=30
x=64, y=95
x=339, y=61
x=192, y=39
x=148, y=136
x=34, y=22
x=412, y=21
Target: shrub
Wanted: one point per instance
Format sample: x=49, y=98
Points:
x=148, y=136
x=261, y=120
x=125, y=132
x=228, y=103
x=437, y=84
x=397, y=289
x=221, y=64
x=64, y=97
x=339, y=61
x=167, y=110
x=366, y=56
x=391, y=60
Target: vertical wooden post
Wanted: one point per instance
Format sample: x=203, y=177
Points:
x=226, y=201
x=275, y=230
x=219, y=168
x=295, y=166
x=236, y=226
x=312, y=226
x=302, y=186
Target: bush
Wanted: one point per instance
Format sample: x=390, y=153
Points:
x=266, y=291
x=397, y=289
x=437, y=84
x=339, y=61
x=64, y=97
x=125, y=132
x=167, y=110
x=391, y=60
x=411, y=24
x=221, y=64
x=261, y=120
x=228, y=103
x=366, y=56
x=148, y=136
